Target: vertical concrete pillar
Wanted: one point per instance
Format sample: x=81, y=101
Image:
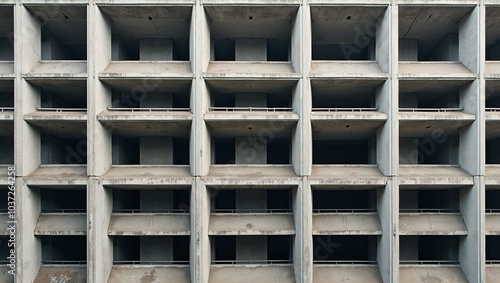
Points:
x=155, y=49
x=250, y=49
x=200, y=256
x=156, y=150
x=303, y=244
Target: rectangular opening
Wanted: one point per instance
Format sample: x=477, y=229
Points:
x=150, y=150
x=345, y=249
x=63, y=200
x=435, y=250
x=345, y=32
x=327, y=200
x=251, y=249
x=58, y=95
x=430, y=200
x=151, y=250
x=4, y=194
x=64, y=249
x=492, y=96
x=251, y=200
x=250, y=33
x=426, y=150
x=6, y=150
x=348, y=151
x=63, y=31
x=149, y=33
x=440, y=42
x=6, y=95
x=436, y=100
x=492, y=249
x=4, y=250
x=128, y=99
x=7, y=33
x=60, y=150
x=151, y=200
x=252, y=150
x=492, y=33
x=344, y=95
x=493, y=151
x=492, y=200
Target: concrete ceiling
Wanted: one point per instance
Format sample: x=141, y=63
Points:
x=437, y=86
x=62, y=129
x=346, y=92
x=150, y=85
x=429, y=24
x=73, y=91
x=340, y=24
x=130, y=129
x=267, y=86
x=6, y=21
x=344, y=129
x=492, y=25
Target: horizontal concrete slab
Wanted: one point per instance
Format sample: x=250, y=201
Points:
x=347, y=116
x=437, y=175
x=492, y=175
x=59, y=68
x=431, y=224
x=250, y=69
x=346, y=224
x=7, y=69
x=426, y=274
x=62, y=124
x=149, y=274
x=62, y=273
x=147, y=174
x=492, y=69
x=349, y=69
x=251, y=274
x=135, y=125
x=5, y=276
x=148, y=224
x=147, y=69
x=107, y=117
x=493, y=224
x=420, y=124
x=59, y=174
x=61, y=224
x=251, y=175
x=434, y=70
x=347, y=176
x=250, y=2
x=492, y=273
x=346, y=125
x=251, y=224
x=493, y=125
x=250, y=116
x=341, y=274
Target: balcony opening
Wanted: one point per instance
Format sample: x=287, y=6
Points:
x=151, y=250
x=427, y=150
x=447, y=100
x=7, y=33
x=440, y=42
x=492, y=249
x=252, y=150
x=61, y=150
x=147, y=33
x=251, y=101
x=431, y=200
x=72, y=97
x=344, y=95
x=251, y=200
x=63, y=200
x=4, y=192
x=345, y=32
x=64, y=249
x=492, y=96
x=250, y=33
x=4, y=250
x=492, y=33
x=7, y=150
x=349, y=201
x=348, y=151
x=345, y=249
x=493, y=151
x=6, y=94
x=435, y=250
x=150, y=150
x=173, y=99
x=63, y=31
x=492, y=201
x=251, y=249
x=151, y=201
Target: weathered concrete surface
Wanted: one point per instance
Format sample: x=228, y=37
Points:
x=149, y=274
x=251, y=274
x=492, y=175
x=434, y=69
x=248, y=174
x=349, y=69
x=347, y=175
x=62, y=124
x=433, y=175
x=492, y=224
x=148, y=224
x=6, y=69
x=251, y=224
x=491, y=70
x=417, y=124
x=140, y=69
x=346, y=224
x=67, y=172
x=242, y=68
x=342, y=274
x=492, y=273
x=431, y=224
x=61, y=224
x=5, y=277
x=251, y=116
x=149, y=173
x=63, y=273
x=346, y=124
x=427, y=274
x=71, y=69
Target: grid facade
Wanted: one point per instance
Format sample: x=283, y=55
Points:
x=251, y=141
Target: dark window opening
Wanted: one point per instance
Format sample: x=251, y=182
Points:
x=7, y=150
x=343, y=152
x=7, y=34
x=150, y=150
x=255, y=200
x=151, y=250
x=63, y=200
x=57, y=150
x=493, y=249
x=493, y=201
x=151, y=200
x=429, y=249
x=344, y=200
x=345, y=249
x=438, y=149
x=64, y=249
x=432, y=200
x=252, y=150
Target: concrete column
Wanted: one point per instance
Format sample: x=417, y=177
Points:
x=156, y=150
x=251, y=199
x=250, y=49
x=156, y=49
x=408, y=49
x=250, y=99
x=303, y=243
x=200, y=255
x=388, y=243
x=250, y=150
x=251, y=247
x=157, y=100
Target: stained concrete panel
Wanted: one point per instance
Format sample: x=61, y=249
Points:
x=341, y=274
x=251, y=274
x=347, y=224
x=431, y=224
x=63, y=224
x=54, y=69
x=492, y=273
x=5, y=276
x=426, y=274
x=493, y=224
x=223, y=69
x=251, y=224
x=433, y=175
x=155, y=274
x=443, y=69
x=63, y=273
x=148, y=224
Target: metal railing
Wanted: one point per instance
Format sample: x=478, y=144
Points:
x=430, y=262
x=58, y=261
x=331, y=210
x=63, y=210
x=351, y=262
x=151, y=262
x=492, y=109
x=495, y=210
x=243, y=261
x=262, y=210
x=494, y=261
x=166, y=109
x=6, y=109
x=150, y=210
x=343, y=109
x=51, y=109
x=451, y=109
x=267, y=109
x=430, y=210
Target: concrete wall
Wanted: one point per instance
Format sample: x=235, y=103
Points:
x=250, y=49
x=53, y=48
x=156, y=150
x=156, y=49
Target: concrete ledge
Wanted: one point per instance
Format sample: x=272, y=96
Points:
x=350, y=69
x=492, y=175
x=251, y=274
x=153, y=175
x=427, y=124
x=251, y=224
x=250, y=2
x=251, y=175
x=61, y=224
x=65, y=2
x=148, y=69
x=347, y=128
x=58, y=69
x=492, y=68
x=149, y=274
x=7, y=69
x=492, y=224
x=434, y=70
x=148, y=224
x=431, y=224
x=363, y=176
x=341, y=274
x=438, y=2
x=142, y=3
x=346, y=224
x=51, y=116
x=58, y=175
x=58, y=273
x=434, y=175
x=109, y=116
x=5, y=276
x=244, y=69
x=492, y=273
x=428, y=273
x=244, y=116
x=365, y=116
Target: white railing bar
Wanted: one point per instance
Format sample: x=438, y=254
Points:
x=267, y=109
x=60, y=109
x=492, y=109
x=349, y=109
x=148, y=109
x=6, y=109
x=451, y=109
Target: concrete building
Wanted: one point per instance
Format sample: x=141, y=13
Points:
x=214, y=141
